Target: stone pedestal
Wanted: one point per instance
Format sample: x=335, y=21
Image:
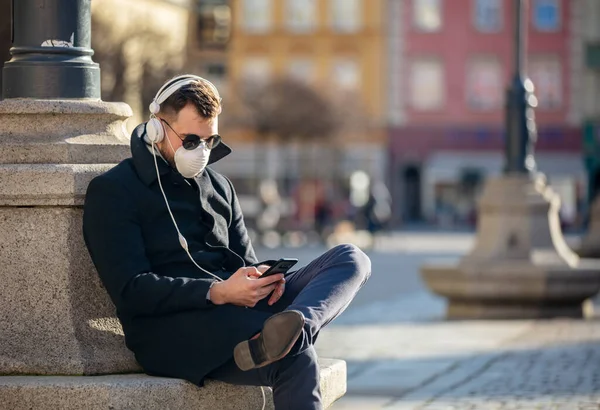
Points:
x=590, y=244
x=54, y=314
x=521, y=266
x=141, y=392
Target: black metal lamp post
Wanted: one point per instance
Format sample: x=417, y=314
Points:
x=520, y=121
x=51, y=53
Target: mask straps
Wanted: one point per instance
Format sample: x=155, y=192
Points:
x=168, y=140
x=166, y=136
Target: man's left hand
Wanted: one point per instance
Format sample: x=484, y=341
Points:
x=279, y=289
x=278, y=292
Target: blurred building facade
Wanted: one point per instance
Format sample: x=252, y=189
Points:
x=209, y=36
x=139, y=44
x=338, y=47
x=449, y=65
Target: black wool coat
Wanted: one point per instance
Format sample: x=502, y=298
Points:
x=159, y=295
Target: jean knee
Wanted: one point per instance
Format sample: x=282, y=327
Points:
x=358, y=258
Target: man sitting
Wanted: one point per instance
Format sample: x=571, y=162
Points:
x=168, y=239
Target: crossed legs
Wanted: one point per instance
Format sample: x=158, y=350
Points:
x=321, y=291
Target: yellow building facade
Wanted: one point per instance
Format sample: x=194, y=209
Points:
x=335, y=45
x=339, y=47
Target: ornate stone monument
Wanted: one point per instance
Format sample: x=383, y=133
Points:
x=520, y=266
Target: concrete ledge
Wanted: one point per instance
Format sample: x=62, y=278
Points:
x=139, y=391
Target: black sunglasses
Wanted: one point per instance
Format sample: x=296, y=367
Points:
x=193, y=141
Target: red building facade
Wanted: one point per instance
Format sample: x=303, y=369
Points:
x=453, y=61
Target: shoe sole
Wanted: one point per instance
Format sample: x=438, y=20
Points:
x=278, y=336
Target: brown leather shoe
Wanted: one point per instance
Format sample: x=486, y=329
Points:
x=277, y=338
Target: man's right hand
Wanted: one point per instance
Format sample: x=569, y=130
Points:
x=244, y=288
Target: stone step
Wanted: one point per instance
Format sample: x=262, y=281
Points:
x=139, y=391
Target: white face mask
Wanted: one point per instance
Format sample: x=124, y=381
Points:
x=190, y=163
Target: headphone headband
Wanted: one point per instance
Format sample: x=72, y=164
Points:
x=175, y=84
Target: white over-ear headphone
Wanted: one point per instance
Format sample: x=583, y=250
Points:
x=155, y=131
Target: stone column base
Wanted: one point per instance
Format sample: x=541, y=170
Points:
x=59, y=318
x=520, y=267
x=488, y=311
x=506, y=291
x=139, y=391
x=55, y=316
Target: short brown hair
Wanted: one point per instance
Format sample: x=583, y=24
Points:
x=202, y=94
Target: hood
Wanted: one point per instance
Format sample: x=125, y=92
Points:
x=144, y=163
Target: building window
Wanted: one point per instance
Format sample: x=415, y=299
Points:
x=216, y=70
x=346, y=74
x=545, y=72
x=426, y=84
x=302, y=69
x=345, y=15
x=257, y=70
x=215, y=73
x=488, y=15
x=484, y=84
x=427, y=15
x=257, y=16
x=301, y=15
x=546, y=15
x=214, y=25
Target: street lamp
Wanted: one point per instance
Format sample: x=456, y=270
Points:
x=51, y=53
x=520, y=101
x=520, y=266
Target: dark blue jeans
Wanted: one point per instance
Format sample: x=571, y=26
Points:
x=321, y=291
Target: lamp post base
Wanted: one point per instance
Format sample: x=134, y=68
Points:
x=520, y=267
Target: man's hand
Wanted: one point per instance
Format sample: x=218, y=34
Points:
x=278, y=292
x=279, y=288
x=245, y=287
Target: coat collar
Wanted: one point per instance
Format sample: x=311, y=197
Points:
x=144, y=163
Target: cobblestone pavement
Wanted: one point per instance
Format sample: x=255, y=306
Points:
x=538, y=365
x=554, y=365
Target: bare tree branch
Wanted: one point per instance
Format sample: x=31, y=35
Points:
x=288, y=109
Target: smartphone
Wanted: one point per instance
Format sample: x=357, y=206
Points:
x=283, y=265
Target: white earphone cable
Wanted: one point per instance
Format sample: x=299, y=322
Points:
x=182, y=240
x=262, y=389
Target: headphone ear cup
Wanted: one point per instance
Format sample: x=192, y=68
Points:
x=154, y=131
